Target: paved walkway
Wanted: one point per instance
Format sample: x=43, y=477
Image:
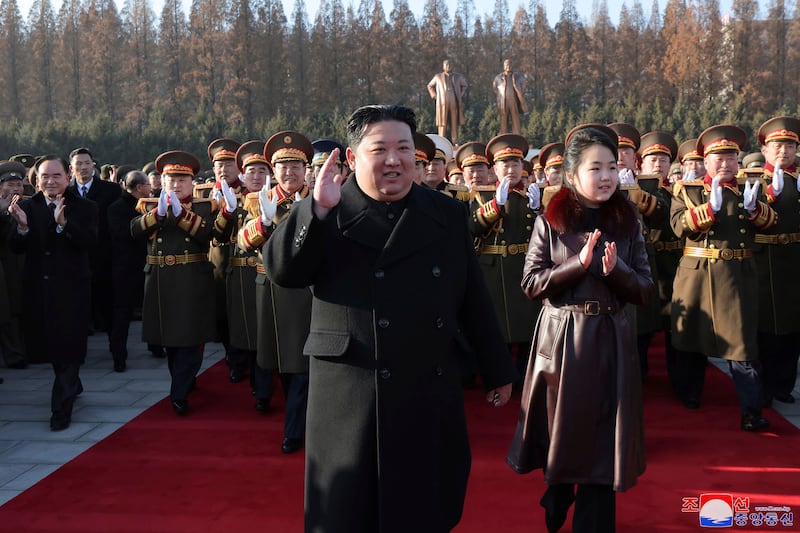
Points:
x=29, y=451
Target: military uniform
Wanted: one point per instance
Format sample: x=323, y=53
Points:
x=284, y=315
x=777, y=254
x=551, y=159
x=715, y=296
x=10, y=282
x=178, y=312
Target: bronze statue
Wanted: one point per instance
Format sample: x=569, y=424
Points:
x=448, y=89
x=509, y=88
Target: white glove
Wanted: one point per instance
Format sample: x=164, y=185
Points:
x=751, y=194
x=689, y=176
x=177, y=208
x=626, y=177
x=216, y=194
x=163, y=203
x=297, y=196
x=534, y=196
x=269, y=206
x=230, y=197
x=715, y=198
x=777, y=180
x=501, y=195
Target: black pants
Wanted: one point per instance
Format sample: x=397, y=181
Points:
x=239, y=359
x=687, y=374
x=11, y=342
x=260, y=379
x=184, y=364
x=118, y=332
x=595, y=506
x=66, y=387
x=778, y=355
x=295, y=391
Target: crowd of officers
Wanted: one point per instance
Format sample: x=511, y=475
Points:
x=183, y=247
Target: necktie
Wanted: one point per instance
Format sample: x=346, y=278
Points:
x=83, y=191
x=52, y=206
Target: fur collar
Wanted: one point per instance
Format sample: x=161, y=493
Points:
x=616, y=217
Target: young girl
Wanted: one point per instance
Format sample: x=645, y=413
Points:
x=581, y=416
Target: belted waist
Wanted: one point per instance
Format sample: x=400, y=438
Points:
x=504, y=250
x=667, y=245
x=588, y=307
x=170, y=260
x=250, y=261
x=725, y=254
x=780, y=238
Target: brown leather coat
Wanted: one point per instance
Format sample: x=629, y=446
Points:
x=581, y=416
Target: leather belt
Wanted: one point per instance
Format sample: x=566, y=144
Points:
x=780, y=238
x=589, y=307
x=170, y=260
x=260, y=268
x=667, y=245
x=725, y=254
x=511, y=249
x=249, y=261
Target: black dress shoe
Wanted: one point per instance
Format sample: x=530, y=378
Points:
x=59, y=422
x=556, y=502
x=235, y=375
x=754, y=423
x=159, y=354
x=19, y=365
x=784, y=398
x=181, y=407
x=262, y=405
x=291, y=445
x=120, y=366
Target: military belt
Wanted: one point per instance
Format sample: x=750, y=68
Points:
x=667, y=245
x=170, y=260
x=780, y=238
x=250, y=261
x=511, y=249
x=589, y=307
x=725, y=254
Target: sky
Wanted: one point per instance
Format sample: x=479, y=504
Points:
x=553, y=7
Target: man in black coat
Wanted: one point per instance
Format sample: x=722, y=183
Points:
x=395, y=282
x=103, y=193
x=127, y=263
x=56, y=230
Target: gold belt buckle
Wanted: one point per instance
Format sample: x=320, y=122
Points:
x=658, y=246
x=513, y=249
x=783, y=238
x=251, y=261
x=169, y=260
x=726, y=254
x=591, y=307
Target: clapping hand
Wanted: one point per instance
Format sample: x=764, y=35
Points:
x=175, y=204
x=328, y=187
x=626, y=177
x=777, y=179
x=501, y=195
x=751, y=194
x=715, y=198
x=19, y=215
x=268, y=206
x=59, y=212
x=163, y=203
x=230, y=197
x=689, y=176
x=534, y=196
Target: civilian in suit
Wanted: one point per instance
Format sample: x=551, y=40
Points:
x=56, y=230
x=394, y=277
x=102, y=193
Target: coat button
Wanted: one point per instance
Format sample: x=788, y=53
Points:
x=159, y=240
x=742, y=231
x=439, y=370
x=439, y=323
x=47, y=253
x=741, y=205
x=711, y=232
x=46, y=277
x=186, y=239
x=741, y=217
x=384, y=373
x=436, y=271
x=379, y=274
x=390, y=216
x=383, y=323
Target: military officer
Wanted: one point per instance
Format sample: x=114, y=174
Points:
x=29, y=161
x=322, y=150
x=692, y=162
x=12, y=175
x=283, y=314
x=503, y=220
x=754, y=160
x=471, y=158
x=424, y=152
x=551, y=159
x=179, y=278
x=777, y=254
x=436, y=171
x=715, y=295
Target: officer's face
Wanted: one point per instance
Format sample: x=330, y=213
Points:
x=782, y=152
x=595, y=179
x=554, y=175
x=226, y=169
x=419, y=171
x=155, y=180
x=383, y=162
x=511, y=167
x=656, y=164
x=694, y=165
x=722, y=164
x=11, y=187
x=181, y=184
x=434, y=173
x=82, y=167
x=477, y=174
x=627, y=158
x=53, y=179
x=255, y=176
x=290, y=175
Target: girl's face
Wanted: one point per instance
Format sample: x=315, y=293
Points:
x=595, y=179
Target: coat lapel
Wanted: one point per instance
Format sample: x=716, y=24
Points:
x=353, y=218
x=419, y=225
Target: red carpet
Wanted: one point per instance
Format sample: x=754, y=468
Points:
x=221, y=469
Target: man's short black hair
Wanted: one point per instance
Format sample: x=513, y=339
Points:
x=51, y=157
x=370, y=114
x=78, y=151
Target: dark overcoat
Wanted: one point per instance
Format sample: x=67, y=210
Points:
x=57, y=277
x=581, y=416
x=386, y=437
x=127, y=254
x=178, y=309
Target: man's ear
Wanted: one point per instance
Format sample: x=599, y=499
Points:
x=351, y=158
